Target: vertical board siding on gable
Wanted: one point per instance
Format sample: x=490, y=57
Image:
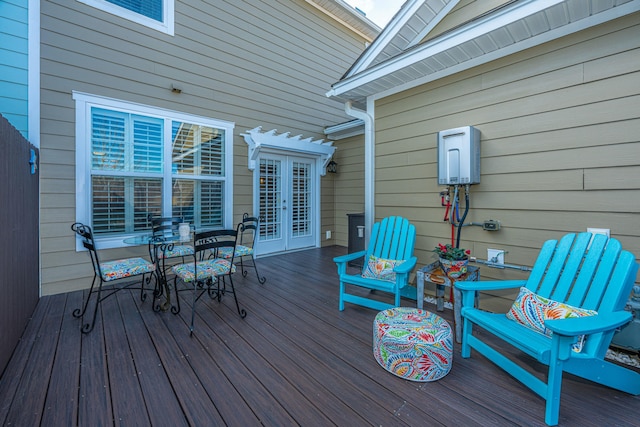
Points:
x=560, y=128
x=254, y=63
x=14, y=50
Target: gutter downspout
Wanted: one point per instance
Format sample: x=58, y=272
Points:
x=369, y=166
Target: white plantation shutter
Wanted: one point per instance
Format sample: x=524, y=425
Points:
x=197, y=150
x=211, y=203
x=149, y=8
x=108, y=207
x=147, y=144
x=199, y=202
x=107, y=140
x=132, y=144
x=135, y=167
x=270, y=198
x=198, y=154
x=301, y=195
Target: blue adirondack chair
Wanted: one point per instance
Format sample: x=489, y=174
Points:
x=391, y=246
x=594, y=275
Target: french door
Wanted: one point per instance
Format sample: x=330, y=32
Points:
x=286, y=195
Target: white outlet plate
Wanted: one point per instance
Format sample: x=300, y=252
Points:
x=328, y=234
x=493, y=253
x=605, y=231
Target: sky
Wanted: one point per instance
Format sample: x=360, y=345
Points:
x=379, y=11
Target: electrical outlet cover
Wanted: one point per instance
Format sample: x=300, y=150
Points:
x=496, y=253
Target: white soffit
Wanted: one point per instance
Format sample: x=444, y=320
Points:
x=515, y=27
x=271, y=140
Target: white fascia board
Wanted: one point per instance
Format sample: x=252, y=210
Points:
x=473, y=30
x=348, y=9
x=344, y=127
x=565, y=30
x=387, y=35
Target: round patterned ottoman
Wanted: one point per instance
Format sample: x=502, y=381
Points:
x=413, y=344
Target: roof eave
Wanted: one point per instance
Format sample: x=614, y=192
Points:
x=390, y=76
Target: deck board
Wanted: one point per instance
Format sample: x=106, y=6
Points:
x=294, y=360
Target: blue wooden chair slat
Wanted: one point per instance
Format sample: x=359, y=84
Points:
x=597, y=277
x=571, y=269
x=556, y=265
x=587, y=273
x=393, y=238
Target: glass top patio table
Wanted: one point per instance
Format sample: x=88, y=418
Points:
x=145, y=239
x=157, y=245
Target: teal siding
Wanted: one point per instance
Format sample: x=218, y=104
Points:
x=14, y=63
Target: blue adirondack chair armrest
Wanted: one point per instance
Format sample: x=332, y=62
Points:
x=489, y=285
x=406, y=266
x=349, y=257
x=469, y=289
x=589, y=324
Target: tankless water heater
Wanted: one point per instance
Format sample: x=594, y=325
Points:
x=459, y=156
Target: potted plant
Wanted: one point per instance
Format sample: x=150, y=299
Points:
x=454, y=261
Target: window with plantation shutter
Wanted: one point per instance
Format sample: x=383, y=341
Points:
x=149, y=8
x=124, y=143
x=156, y=14
x=142, y=161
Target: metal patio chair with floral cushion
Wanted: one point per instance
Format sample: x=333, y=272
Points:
x=208, y=275
x=388, y=261
x=108, y=271
x=245, y=250
x=162, y=227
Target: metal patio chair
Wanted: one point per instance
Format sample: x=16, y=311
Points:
x=208, y=275
x=105, y=272
x=245, y=250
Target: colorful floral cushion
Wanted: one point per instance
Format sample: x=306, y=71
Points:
x=240, y=251
x=531, y=310
x=413, y=344
x=208, y=268
x=121, y=268
x=176, y=251
x=381, y=269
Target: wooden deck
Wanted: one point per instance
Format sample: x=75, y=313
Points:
x=294, y=360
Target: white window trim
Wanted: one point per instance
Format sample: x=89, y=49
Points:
x=84, y=103
x=168, y=13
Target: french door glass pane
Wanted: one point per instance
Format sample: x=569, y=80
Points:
x=122, y=204
x=270, y=199
x=301, y=200
x=197, y=150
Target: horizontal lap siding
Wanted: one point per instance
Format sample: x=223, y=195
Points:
x=560, y=145
x=258, y=63
x=349, y=187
